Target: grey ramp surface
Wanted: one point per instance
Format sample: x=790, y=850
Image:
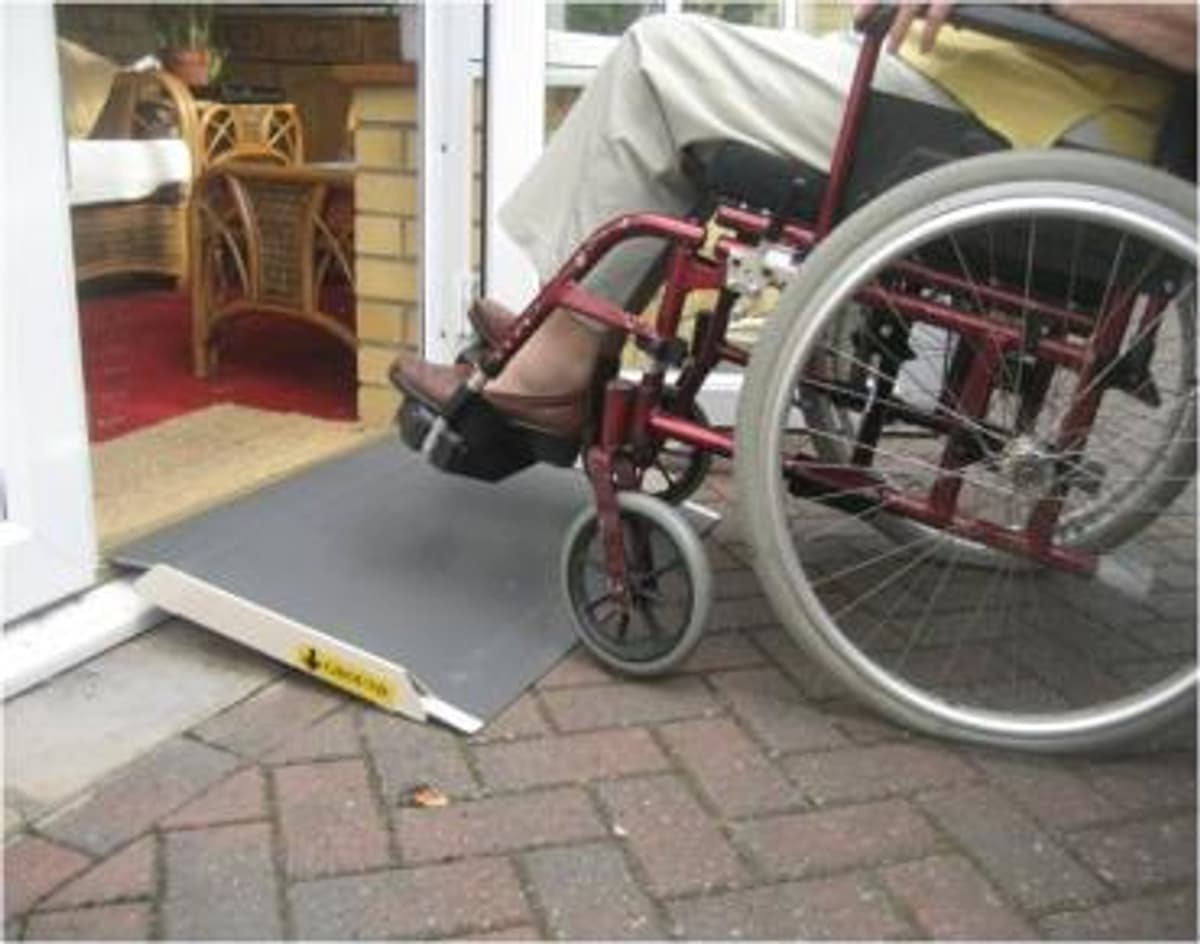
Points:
x=455, y=580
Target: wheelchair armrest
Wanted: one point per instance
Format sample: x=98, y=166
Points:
x=1027, y=24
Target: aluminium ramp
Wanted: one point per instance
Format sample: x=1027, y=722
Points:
x=427, y=594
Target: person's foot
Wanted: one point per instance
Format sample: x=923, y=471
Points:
x=491, y=320
x=561, y=415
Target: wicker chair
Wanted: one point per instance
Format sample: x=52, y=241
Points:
x=269, y=239
x=249, y=132
x=147, y=235
x=150, y=235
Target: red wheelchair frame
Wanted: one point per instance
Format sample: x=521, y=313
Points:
x=635, y=419
x=634, y=416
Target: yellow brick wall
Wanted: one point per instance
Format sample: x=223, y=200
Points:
x=387, y=240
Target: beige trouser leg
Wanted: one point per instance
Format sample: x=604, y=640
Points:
x=670, y=81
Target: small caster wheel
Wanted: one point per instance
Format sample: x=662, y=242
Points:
x=670, y=584
x=678, y=469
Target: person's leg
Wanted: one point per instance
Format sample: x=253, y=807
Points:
x=673, y=81
x=670, y=82
x=559, y=358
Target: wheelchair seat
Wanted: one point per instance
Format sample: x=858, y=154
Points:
x=899, y=138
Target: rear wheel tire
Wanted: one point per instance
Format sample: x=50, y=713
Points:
x=939, y=631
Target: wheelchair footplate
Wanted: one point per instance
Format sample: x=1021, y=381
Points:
x=473, y=438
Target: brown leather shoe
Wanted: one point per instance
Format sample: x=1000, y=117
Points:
x=561, y=415
x=491, y=319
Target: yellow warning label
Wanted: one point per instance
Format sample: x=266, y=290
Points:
x=352, y=678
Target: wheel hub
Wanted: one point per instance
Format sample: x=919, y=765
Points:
x=1028, y=465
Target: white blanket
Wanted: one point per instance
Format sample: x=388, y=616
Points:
x=109, y=171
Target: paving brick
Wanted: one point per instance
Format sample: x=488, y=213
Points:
x=126, y=874
x=330, y=738
x=33, y=867
x=730, y=769
x=1158, y=918
x=1136, y=856
x=125, y=922
x=408, y=754
x=497, y=824
x=680, y=849
x=522, y=932
x=14, y=819
x=844, y=908
x=588, y=893
x=814, y=681
x=270, y=716
x=220, y=883
x=736, y=584
x=1167, y=781
x=435, y=901
x=722, y=558
x=139, y=795
x=871, y=773
x=574, y=758
x=951, y=900
x=329, y=819
x=743, y=613
x=861, y=725
x=803, y=844
x=776, y=711
x=243, y=796
x=723, y=651
x=629, y=703
x=577, y=668
x=1057, y=797
x=1011, y=849
x=522, y=719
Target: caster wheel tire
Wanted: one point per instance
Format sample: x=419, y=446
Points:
x=670, y=581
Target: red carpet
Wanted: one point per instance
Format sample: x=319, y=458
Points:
x=138, y=366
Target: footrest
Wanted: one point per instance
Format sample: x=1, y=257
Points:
x=481, y=443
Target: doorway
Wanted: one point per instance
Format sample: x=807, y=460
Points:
x=278, y=393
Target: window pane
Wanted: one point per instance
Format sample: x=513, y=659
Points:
x=765, y=13
x=610, y=19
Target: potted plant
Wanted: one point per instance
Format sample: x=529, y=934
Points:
x=184, y=32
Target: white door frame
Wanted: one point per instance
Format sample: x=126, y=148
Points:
x=47, y=531
x=449, y=60
x=515, y=133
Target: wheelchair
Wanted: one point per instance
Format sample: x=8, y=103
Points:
x=965, y=447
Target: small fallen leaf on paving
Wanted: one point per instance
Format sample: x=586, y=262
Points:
x=425, y=796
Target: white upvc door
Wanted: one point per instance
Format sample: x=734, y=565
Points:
x=47, y=533
x=450, y=57
x=515, y=132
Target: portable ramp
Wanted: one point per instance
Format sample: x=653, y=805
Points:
x=426, y=594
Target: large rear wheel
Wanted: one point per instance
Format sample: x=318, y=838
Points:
x=966, y=451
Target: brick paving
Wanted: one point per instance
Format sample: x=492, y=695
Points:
x=741, y=798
